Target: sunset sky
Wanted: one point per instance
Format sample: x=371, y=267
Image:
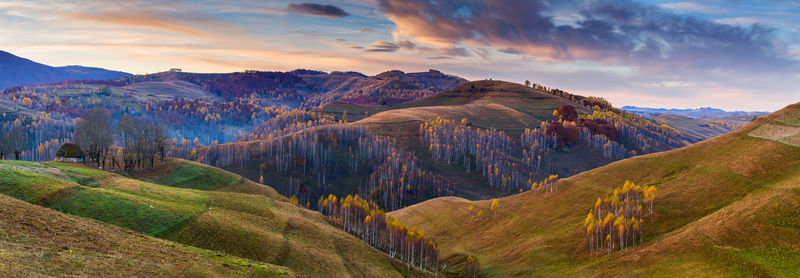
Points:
x=730, y=54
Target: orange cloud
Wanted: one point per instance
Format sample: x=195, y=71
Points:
x=155, y=21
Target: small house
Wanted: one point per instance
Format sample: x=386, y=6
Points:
x=69, y=152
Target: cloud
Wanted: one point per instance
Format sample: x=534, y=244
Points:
x=329, y=11
x=383, y=46
x=626, y=33
x=689, y=7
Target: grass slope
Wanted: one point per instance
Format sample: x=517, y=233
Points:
x=728, y=206
x=36, y=241
x=239, y=218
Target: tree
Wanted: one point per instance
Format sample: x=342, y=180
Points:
x=493, y=207
x=17, y=140
x=567, y=112
x=3, y=143
x=94, y=134
x=527, y=83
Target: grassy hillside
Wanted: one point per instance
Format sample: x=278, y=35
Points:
x=499, y=104
x=728, y=206
x=36, y=241
x=225, y=213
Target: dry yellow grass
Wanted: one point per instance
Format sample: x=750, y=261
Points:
x=37, y=241
x=726, y=207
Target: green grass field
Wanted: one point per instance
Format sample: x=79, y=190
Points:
x=203, y=207
x=728, y=206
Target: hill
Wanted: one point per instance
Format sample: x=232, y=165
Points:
x=479, y=139
x=391, y=87
x=727, y=206
x=702, y=112
x=16, y=71
x=203, y=207
x=42, y=242
x=699, y=129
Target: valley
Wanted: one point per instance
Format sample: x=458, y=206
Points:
x=307, y=173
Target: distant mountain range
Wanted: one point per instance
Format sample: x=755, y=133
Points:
x=17, y=71
x=691, y=113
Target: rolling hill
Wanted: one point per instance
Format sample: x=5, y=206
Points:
x=16, y=71
x=297, y=155
x=699, y=129
x=188, y=203
x=42, y=242
x=727, y=206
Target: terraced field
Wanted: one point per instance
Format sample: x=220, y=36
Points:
x=784, y=128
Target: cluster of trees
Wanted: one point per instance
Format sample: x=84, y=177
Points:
x=555, y=92
x=94, y=133
x=288, y=122
x=200, y=118
x=242, y=84
x=55, y=101
x=485, y=151
x=311, y=159
x=399, y=181
x=140, y=141
x=137, y=140
x=646, y=134
x=536, y=146
x=549, y=184
x=184, y=148
x=569, y=128
x=610, y=147
x=367, y=221
x=208, y=120
x=616, y=221
x=35, y=137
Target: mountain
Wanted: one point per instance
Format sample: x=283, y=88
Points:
x=209, y=221
x=17, y=71
x=691, y=113
x=727, y=206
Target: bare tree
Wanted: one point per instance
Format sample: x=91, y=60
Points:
x=16, y=141
x=3, y=143
x=141, y=141
x=95, y=135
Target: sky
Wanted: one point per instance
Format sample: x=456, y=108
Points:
x=729, y=54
